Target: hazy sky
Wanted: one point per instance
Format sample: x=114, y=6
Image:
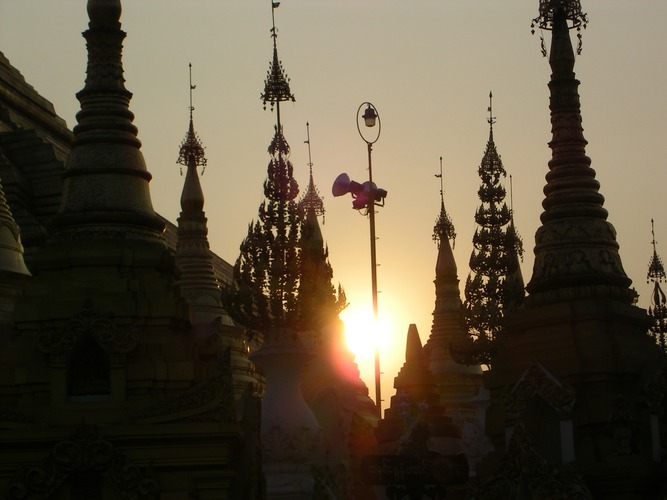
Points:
x=428, y=66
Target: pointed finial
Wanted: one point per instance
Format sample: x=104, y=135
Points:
x=656, y=271
x=276, y=85
x=192, y=87
x=311, y=200
x=274, y=6
x=491, y=119
x=444, y=228
x=442, y=188
x=307, y=141
x=191, y=152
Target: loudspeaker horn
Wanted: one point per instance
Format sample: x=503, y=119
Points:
x=341, y=185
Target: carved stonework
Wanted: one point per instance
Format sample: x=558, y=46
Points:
x=559, y=231
x=567, y=250
x=84, y=451
x=104, y=62
x=89, y=321
x=536, y=380
x=210, y=401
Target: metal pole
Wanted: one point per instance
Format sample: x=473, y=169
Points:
x=374, y=284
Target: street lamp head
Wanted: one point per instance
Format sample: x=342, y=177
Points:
x=370, y=116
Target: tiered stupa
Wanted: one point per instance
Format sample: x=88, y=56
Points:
x=105, y=389
x=576, y=369
x=459, y=386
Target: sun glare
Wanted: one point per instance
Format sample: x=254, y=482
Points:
x=362, y=333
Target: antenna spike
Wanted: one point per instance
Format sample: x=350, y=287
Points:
x=491, y=119
x=310, y=162
x=191, y=152
x=192, y=87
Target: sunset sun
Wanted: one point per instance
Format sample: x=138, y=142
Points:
x=362, y=334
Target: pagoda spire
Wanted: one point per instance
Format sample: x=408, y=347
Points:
x=266, y=272
x=193, y=258
x=658, y=308
x=446, y=330
x=494, y=244
x=106, y=180
x=575, y=244
x=318, y=301
x=447, y=296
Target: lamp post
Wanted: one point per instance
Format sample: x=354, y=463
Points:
x=370, y=118
x=366, y=197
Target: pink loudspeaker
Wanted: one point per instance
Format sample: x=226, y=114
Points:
x=341, y=185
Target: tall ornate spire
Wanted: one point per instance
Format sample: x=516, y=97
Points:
x=446, y=330
x=446, y=327
x=658, y=308
x=267, y=270
x=106, y=181
x=486, y=290
x=576, y=250
x=318, y=302
x=280, y=185
x=192, y=250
